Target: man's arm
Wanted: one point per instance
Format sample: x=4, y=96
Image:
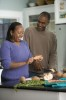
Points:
x=26, y=36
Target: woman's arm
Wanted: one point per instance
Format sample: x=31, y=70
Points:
x=19, y=64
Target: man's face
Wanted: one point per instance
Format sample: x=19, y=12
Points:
x=42, y=23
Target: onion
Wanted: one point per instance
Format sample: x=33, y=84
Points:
x=23, y=79
x=59, y=74
x=64, y=75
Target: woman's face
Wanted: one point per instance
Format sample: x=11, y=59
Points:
x=17, y=34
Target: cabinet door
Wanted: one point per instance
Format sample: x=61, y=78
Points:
x=60, y=11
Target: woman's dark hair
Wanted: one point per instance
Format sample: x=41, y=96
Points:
x=11, y=28
x=45, y=14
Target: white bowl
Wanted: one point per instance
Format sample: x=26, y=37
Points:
x=31, y=4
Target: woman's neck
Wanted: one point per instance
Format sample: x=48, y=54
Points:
x=16, y=42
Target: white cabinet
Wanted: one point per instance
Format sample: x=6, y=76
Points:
x=30, y=15
x=21, y=94
x=60, y=11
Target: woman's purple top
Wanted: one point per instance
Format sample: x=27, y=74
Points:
x=10, y=52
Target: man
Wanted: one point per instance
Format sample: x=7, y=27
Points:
x=42, y=42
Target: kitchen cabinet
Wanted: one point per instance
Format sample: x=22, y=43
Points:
x=29, y=94
x=60, y=21
x=11, y=94
x=61, y=45
x=30, y=16
x=60, y=11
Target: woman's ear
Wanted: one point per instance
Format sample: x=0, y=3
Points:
x=11, y=33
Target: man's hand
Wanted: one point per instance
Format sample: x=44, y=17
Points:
x=37, y=62
x=38, y=58
x=37, y=65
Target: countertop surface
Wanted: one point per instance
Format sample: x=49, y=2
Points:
x=39, y=88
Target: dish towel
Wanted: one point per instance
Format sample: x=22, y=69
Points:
x=56, y=84
x=60, y=84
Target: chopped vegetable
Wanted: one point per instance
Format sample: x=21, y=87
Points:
x=30, y=83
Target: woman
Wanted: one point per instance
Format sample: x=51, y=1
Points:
x=15, y=56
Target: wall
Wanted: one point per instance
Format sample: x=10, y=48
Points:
x=17, y=5
x=61, y=45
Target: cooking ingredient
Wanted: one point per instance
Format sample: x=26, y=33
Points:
x=53, y=81
x=30, y=83
x=48, y=76
x=35, y=78
x=53, y=70
x=59, y=74
x=64, y=75
x=23, y=79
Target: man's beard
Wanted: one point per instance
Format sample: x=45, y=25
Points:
x=41, y=28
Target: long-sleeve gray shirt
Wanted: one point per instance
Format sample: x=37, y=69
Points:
x=42, y=43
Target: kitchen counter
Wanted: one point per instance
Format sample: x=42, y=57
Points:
x=39, y=88
x=32, y=93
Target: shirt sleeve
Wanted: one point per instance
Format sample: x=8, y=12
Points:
x=53, y=54
x=5, y=55
x=30, y=54
x=26, y=36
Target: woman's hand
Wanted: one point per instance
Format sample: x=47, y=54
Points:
x=30, y=60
